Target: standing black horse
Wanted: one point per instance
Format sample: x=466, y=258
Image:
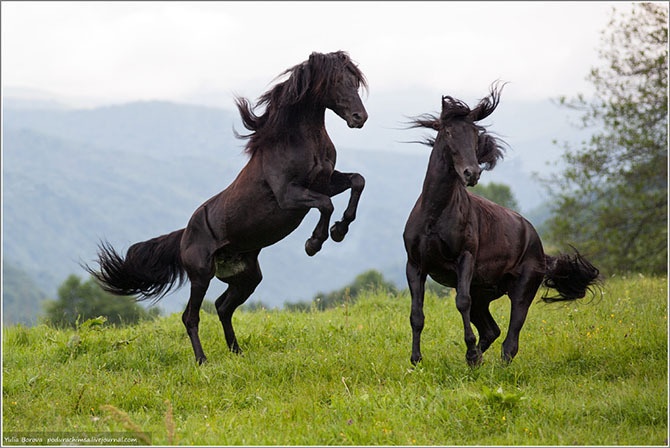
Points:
x=291, y=170
x=474, y=245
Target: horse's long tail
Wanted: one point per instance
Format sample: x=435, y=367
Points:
x=150, y=269
x=571, y=275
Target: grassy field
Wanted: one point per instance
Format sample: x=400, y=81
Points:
x=586, y=373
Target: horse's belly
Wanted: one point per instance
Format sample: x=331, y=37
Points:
x=273, y=227
x=445, y=277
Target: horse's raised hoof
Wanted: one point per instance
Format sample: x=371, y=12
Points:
x=338, y=230
x=312, y=246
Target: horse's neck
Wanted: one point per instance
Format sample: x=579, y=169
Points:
x=311, y=125
x=441, y=188
x=310, y=116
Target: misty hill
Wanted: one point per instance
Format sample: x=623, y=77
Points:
x=132, y=172
x=21, y=296
x=157, y=129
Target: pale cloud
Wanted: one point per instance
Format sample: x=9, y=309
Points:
x=175, y=50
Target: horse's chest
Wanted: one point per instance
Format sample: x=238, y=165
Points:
x=448, y=238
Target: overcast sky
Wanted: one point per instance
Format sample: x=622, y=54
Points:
x=204, y=52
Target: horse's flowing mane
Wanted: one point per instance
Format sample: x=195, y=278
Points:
x=307, y=84
x=490, y=148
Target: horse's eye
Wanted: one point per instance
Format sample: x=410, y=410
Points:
x=447, y=132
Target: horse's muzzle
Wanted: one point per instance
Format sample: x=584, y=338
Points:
x=470, y=177
x=357, y=119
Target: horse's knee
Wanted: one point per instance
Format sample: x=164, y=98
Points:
x=417, y=320
x=463, y=303
x=327, y=207
x=357, y=182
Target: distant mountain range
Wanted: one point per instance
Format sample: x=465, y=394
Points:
x=131, y=172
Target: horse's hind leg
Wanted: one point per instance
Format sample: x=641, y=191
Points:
x=240, y=287
x=200, y=270
x=191, y=317
x=521, y=295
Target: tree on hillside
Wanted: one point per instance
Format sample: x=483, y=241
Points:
x=611, y=200
x=501, y=194
x=79, y=301
x=368, y=280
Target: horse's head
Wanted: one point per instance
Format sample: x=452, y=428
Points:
x=335, y=81
x=323, y=81
x=463, y=143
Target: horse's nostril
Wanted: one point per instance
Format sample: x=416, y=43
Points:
x=356, y=116
x=467, y=173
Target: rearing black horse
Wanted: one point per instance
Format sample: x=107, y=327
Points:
x=474, y=245
x=291, y=170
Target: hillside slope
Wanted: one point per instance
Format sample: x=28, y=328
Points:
x=132, y=172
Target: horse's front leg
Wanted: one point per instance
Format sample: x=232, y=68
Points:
x=294, y=196
x=416, y=280
x=466, y=264
x=340, y=182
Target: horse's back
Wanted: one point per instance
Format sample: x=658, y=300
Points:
x=507, y=240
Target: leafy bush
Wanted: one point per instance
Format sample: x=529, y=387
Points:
x=79, y=301
x=501, y=194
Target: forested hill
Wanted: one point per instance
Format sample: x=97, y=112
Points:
x=132, y=172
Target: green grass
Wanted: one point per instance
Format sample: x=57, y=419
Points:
x=586, y=373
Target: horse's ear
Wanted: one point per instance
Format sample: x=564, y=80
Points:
x=487, y=105
x=446, y=100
